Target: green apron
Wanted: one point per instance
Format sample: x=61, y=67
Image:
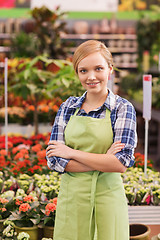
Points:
x=91, y=205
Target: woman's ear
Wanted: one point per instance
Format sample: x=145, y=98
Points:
x=111, y=70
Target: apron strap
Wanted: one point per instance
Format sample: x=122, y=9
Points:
x=108, y=113
x=93, y=191
x=77, y=109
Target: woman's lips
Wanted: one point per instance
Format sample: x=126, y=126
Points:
x=92, y=84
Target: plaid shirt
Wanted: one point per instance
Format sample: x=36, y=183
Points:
x=123, y=120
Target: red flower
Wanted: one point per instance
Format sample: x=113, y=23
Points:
x=50, y=207
x=37, y=148
x=24, y=207
x=148, y=199
x=14, y=150
x=18, y=155
x=41, y=154
x=18, y=202
x=3, y=152
x=54, y=200
x=28, y=198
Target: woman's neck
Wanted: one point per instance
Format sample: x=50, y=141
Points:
x=93, y=101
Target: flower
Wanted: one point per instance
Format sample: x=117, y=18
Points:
x=26, y=213
x=23, y=236
x=4, y=209
x=139, y=161
x=8, y=232
x=49, y=212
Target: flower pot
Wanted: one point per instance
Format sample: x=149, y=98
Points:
x=81, y=27
x=32, y=231
x=139, y=232
x=48, y=232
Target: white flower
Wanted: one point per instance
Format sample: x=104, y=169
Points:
x=23, y=236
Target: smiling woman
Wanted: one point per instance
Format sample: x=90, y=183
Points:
x=92, y=143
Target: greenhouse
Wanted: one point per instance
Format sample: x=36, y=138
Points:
x=79, y=120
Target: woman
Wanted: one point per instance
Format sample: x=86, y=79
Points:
x=92, y=142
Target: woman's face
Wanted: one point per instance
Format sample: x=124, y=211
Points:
x=93, y=72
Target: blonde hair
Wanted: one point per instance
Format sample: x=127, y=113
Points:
x=88, y=47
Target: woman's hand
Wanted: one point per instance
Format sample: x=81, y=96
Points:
x=58, y=149
x=115, y=147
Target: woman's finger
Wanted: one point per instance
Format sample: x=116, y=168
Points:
x=50, y=147
x=52, y=142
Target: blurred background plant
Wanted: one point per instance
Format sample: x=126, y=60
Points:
x=41, y=34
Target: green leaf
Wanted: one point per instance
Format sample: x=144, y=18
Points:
x=65, y=82
x=27, y=74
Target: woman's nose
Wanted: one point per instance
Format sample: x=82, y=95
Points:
x=91, y=76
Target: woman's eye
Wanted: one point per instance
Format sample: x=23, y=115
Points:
x=82, y=70
x=99, y=68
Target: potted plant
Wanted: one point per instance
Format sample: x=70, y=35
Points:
x=26, y=215
x=48, y=211
x=4, y=211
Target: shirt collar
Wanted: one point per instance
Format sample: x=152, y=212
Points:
x=109, y=102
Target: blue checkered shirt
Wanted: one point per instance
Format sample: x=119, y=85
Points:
x=123, y=120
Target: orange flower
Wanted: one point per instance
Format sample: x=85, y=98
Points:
x=2, y=161
x=3, y=200
x=50, y=207
x=26, y=156
x=44, y=109
x=55, y=108
x=24, y=207
x=36, y=167
x=31, y=107
x=41, y=154
x=14, y=150
x=18, y=155
x=36, y=148
x=24, y=151
x=3, y=152
x=3, y=209
x=28, y=198
x=18, y=202
x=54, y=200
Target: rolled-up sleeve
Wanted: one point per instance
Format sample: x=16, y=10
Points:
x=125, y=131
x=56, y=163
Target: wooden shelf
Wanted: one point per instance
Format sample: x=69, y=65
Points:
x=126, y=65
x=98, y=36
x=4, y=49
x=5, y=36
x=113, y=50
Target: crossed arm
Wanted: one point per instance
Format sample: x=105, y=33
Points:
x=84, y=161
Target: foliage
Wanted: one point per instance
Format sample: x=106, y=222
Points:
x=131, y=82
x=26, y=214
x=148, y=37
x=67, y=83
x=41, y=34
x=48, y=26
x=25, y=45
x=48, y=210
